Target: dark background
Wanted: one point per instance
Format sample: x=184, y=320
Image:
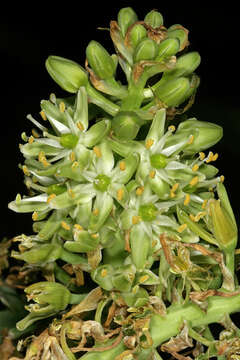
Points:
x=29, y=34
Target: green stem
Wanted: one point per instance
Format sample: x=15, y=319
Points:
x=230, y=261
x=193, y=334
x=64, y=344
x=100, y=307
x=163, y=328
x=98, y=99
x=72, y=258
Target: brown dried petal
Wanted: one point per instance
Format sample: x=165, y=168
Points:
x=179, y=342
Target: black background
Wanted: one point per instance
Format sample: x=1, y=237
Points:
x=29, y=34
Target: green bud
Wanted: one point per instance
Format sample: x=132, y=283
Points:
x=173, y=91
x=137, y=34
x=208, y=170
x=69, y=141
x=186, y=65
x=148, y=212
x=159, y=187
x=56, y=189
x=126, y=125
x=206, y=134
x=102, y=275
x=224, y=229
x=67, y=73
x=101, y=182
x=39, y=254
x=154, y=19
x=124, y=277
x=179, y=34
x=100, y=61
x=51, y=297
x=136, y=298
x=84, y=242
x=140, y=245
x=126, y=17
x=158, y=161
x=167, y=48
x=147, y=49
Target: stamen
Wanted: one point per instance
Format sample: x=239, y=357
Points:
x=190, y=141
x=187, y=199
x=209, y=158
x=154, y=243
x=104, y=272
x=42, y=159
x=136, y=219
x=149, y=143
x=71, y=193
x=25, y=170
x=72, y=156
x=181, y=228
x=200, y=215
x=152, y=174
x=143, y=278
x=192, y=217
x=95, y=236
x=204, y=204
x=80, y=125
x=35, y=133
x=222, y=178
x=78, y=227
x=172, y=194
x=120, y=194
x=95, y=212
x=97, y=151
x=52, y=196
x=195, y=167
x=202, y=155
x=139, y=190
x=31, y=139
x=175, y=187
x=75, y=165
x=62, y=106
x=65, y=226
x=171, y=128
x=215, y=157
x=194, y=181
x=122, y=165
x=35, y=216
x=42, y=113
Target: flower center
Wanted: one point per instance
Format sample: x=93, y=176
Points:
x=158, y=161
x=148, y=212
x=101, y=182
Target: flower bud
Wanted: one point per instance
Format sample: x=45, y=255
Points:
x=154, y=19
x=126, y=125
x=173, y=91
x=146, y=50
x=51, y=297
x=224, y=229
x=67, y=73
x=102, y=275
x=39, y=254
x=100, y=61
x=186, y=65
x=84, y=242
x=138, y=33
x=167, y=48
x=124, y=277
x=136, y=298
x=180, y=34
x=126, y=17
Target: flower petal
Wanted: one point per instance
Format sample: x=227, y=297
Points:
x=104, y=158
x=125, y=169
x=102, y=207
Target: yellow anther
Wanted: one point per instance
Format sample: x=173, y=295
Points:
x=62, y=106
x=215, y=157
x=190, y=141
x=25, y=170
x=175, y=187
x=143, y=278
x=172, y=194
x=78, y=227
x=31, y=139
x=140, y=190
x=181, y=228
x=210, y=156
x=120, y=194
x=122, y=165
x=195, y=167
x=187, y=199
x=222, y=178
x=152, y=174
x=154, y=243
x=104, y=272
x=71, y=193
x=95, y=212
x=192, y=217
x=42, y=159
x=200, y=215
x=72, y=156
x=65, y=226
x=52, y=196
x=42, y=113
x=28, y=184
x=95, y=236
x=35, y=216
x=202, y=155
x=135, y=219
x=149, y=143
x=97, y=151
x=34, y=179
x=204, y=204
x=80, y=125
x=171, y=128
x=75, y=165
x=135, y=289
x=211, y=189
x=194, y=181
x=35, y=133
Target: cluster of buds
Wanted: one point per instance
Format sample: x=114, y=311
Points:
x=145, y=215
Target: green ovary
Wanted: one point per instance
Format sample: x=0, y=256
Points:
x=148, y=212
x=101, y=182
x=158, y=161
